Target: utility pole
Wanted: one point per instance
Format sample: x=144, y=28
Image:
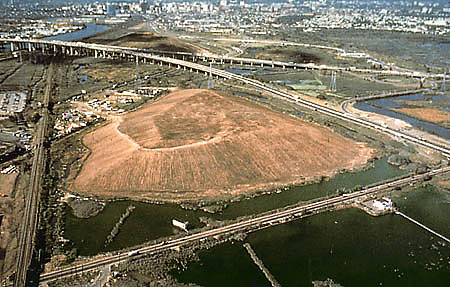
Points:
x=210, y=79
x=443, y=88
x=333, y=81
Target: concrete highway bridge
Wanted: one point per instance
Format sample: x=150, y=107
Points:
x=113, y=52
x=78, y=49
x=55, y=47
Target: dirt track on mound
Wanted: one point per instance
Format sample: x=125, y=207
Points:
x=198, y=144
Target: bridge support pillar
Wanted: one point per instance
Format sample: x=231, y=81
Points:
x=71, y=51
x=12, y=47
x=95, y=54
x=231, y=62
x=30, y=48
x=55, y=49
x=262, y=65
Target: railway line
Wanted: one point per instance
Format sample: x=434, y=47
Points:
x=325, y=110
x=30, y=217
x=262, y=221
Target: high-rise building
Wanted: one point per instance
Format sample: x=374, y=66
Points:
x=111, y=10
x=144, y=5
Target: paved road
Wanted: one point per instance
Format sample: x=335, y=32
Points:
x=111, y=51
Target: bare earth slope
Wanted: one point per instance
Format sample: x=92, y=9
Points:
x=196, y=143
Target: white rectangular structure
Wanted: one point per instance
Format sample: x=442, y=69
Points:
x=182, y=225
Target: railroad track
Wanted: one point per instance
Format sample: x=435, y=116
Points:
x=30, y=217
x=262, y=221
x=131, y=53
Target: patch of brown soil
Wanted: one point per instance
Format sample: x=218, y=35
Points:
x=288, y=54
x=147, y=40
x=426, y=114
x=445, y=183
x=7, y=183
x=196, y=143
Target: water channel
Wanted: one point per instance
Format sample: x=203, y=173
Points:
x=151, y=221
x=386, y=107
x=349, y=246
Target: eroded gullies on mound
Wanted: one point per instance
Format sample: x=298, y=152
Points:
x=195, y=143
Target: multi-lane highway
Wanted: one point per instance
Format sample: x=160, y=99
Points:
x=262, y=221
x=74, y=48
x=319, y=108
x=112, y=52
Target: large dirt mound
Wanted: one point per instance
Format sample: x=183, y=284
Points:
x=143, y=40
x=196, y=143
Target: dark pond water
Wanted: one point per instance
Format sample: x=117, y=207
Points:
x=152, y=221
x=349, y=246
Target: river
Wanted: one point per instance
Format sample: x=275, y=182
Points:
x=386, y=106
x=90, y=30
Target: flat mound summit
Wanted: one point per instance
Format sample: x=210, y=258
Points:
x=199, y=144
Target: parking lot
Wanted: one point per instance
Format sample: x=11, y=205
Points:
x=12, y=102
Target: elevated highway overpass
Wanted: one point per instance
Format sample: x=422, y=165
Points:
x=113, y=52
x=97, y=50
